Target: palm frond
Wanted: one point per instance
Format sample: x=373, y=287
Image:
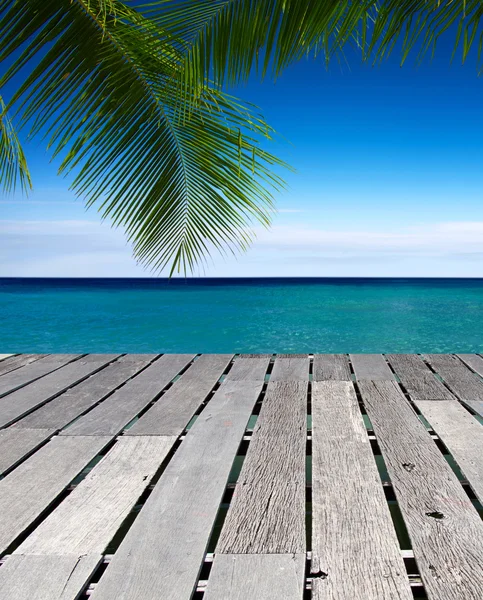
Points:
x=13, y=165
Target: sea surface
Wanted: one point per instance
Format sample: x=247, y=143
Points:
x=241, y=315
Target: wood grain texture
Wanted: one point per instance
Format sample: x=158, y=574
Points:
x=462, y=435
x=331, y=367
x=174, y=410
x=474, y=361
x=161, y=555
x=15, y=362
x=109, y=417
x=33, y=371
x=371, y=366
x=267, y=512
x=15, y=444
x=29, y=489
x=261, y=577
x=419, y=381
x=354, y=542
x=60, y=411
x=249, y=369
x=45, y=577
x=88, y=518
x=26, y=399
x=445, y=529
x=291, y=369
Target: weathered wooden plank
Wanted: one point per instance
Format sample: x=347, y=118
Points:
x=331, y=367
x=355, y=550
x=264, y=577
x=45, y=577
x=26, y=399
x=30, y=488
x=60, y=411
x=445, y=529
x=173, y=412
x=370, y=366
x=109, y=417
x=89, y=517
x=267, y=513
x=465, y=384
x=20, y=360
x=417, y=378
x=249, y=369
x=4, y=356
x=15, y=444
x=161, y=555
x=461, y=434
x=33, y=371
x=474, y=361
x=291, y=368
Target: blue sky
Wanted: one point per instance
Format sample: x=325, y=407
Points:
x=388, y=183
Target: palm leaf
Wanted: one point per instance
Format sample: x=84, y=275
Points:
x=13, y=165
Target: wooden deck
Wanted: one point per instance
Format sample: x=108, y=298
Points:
x=288, y=477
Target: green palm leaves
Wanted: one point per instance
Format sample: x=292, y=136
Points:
x=129, y=97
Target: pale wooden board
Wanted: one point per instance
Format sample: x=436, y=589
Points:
x=33, y=371
x=45, y=577
x=249, y=369
x=26, y=399
x=267, y=512
x=295, y=368
x=15, y=362
x=161, y=555
x=370, y=366
x=419, y=381
x=88, y=518
x=448, y=550
x=331, y=367
x=353, y=538
x=60, y=411
x=474, y=361
x=29, y=489
x=173, y=412
x=109, y=417
x=255, y=576
x=461, y=434
x=15, y=444
x=4, y=356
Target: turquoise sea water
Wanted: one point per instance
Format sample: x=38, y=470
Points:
x=241, y=315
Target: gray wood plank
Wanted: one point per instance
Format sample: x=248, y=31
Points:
x=267, y=513
x=445, y=529
x=291, y=368
x=60, y=411
x=88, y=518
x=45, y=577
x=370, y=366
x=161, y=555
x=474, y=361
x=15, y=444
x=461, y=434
x=28, y=491
x=419, y=381
x=4, y=356
x=174, y=410
x=20, y=360
x=109, y=417
x=27, y=398
x=261, y=577
x=20, y=377
x=249, y=369
x=353, y=538
x=331, y=367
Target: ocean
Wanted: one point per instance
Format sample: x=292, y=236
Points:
x=288, y=315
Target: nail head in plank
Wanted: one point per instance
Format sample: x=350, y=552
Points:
x=173, y=412
x=16, y=362
x=267, y=513
x=28, y=491
x=88, y=518
x=20, y=402
x=109, y=417
x=419, y=381
x=162, y=553
x=331, y=367
x=354, y=542
x=371, y=366
x=445, y=529
x=45, y=577
x=260, y=576
x=60, y=411
x=15, y=444
x=291, y=368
